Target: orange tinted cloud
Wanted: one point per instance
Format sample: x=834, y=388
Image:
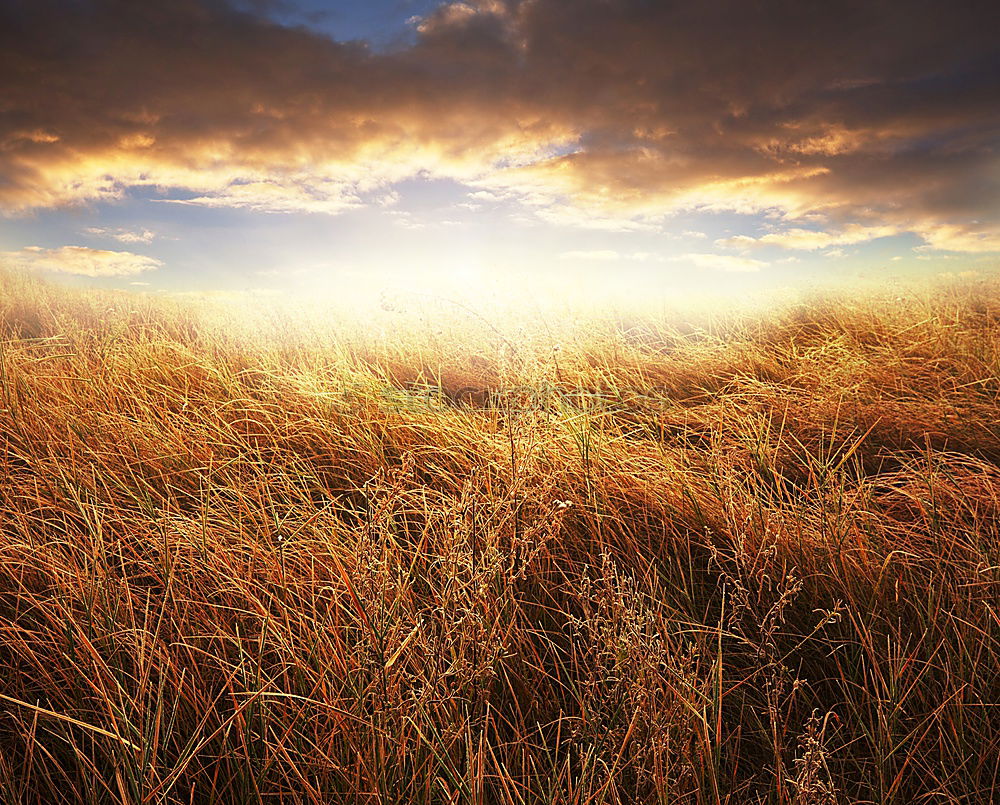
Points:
x=860, y=117
x=79, y=260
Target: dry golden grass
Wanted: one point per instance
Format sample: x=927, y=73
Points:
x=431, y=556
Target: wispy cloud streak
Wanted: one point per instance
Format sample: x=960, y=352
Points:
x=79, y=260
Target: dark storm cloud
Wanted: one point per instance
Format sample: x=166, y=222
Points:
x=848, y=117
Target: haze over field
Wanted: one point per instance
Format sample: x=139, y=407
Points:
x=201, y=144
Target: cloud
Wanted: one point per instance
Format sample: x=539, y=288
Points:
x=388, y=199
x=123, y=235
x=301, y=193
x=79, y=260
x=722, y=262
x=813, y=239
x=837, y=115
x=598, y=254
x=961, y=238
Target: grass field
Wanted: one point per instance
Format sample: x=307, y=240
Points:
x=425, y=553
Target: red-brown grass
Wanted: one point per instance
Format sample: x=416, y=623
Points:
x=440, y=557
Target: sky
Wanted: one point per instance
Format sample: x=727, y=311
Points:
x=199, y=145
